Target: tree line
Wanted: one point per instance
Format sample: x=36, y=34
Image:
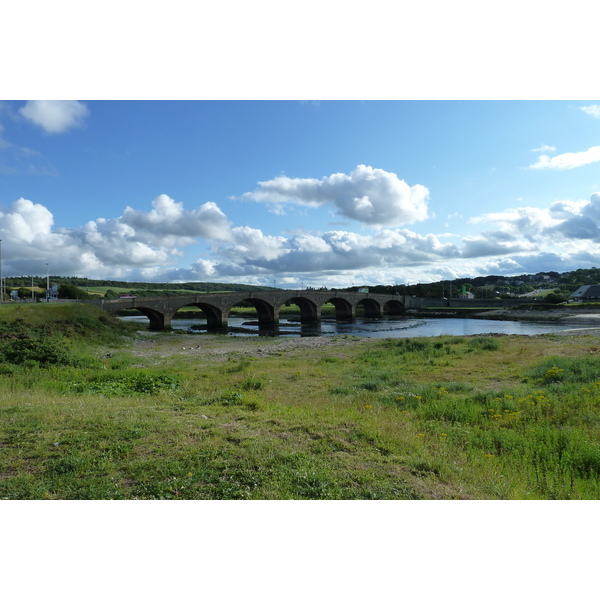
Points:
x=481, y=287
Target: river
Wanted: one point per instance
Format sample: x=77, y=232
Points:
x=394, y=327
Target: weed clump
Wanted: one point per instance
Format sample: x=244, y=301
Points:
x=484, y=343
x=566, y=370
x=23, y=345
x=127, y=385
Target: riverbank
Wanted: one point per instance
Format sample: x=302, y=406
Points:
x=573, y=313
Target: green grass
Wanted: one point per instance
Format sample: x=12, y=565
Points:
x=449, y=417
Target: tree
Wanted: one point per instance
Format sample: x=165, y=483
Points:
x=553, y=298
x=67, y=290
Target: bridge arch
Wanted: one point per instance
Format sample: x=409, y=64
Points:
x=213, y=314
x=371, y=307
x=344, y=310
x=268, y=313
x=309, y=311
x=158, y=320
x=393, y=307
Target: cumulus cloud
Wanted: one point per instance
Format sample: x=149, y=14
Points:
x=565, y=222
x=527, y=222
x=333, y=252
x=371, y=196
x=148, y=245
x=55, y=116
x=493, y=244
x=169, y=223
x=106, y=247
x=569, y=160
x=25, y=222
x=593, y=110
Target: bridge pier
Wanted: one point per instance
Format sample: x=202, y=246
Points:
x=159, y=322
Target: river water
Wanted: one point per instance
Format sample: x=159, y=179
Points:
x=394, y=327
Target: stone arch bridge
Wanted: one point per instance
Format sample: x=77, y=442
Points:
x=216, y=306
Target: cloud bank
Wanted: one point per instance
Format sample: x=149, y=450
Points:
x=151, y=244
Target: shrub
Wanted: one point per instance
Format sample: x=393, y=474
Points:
x=484, y=343
x=568, y=370
x=22, y=345
x=128, y=385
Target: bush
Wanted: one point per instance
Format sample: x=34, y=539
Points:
x=568, y=370
x=484, y=343
x=127, y=385
x=22, y=345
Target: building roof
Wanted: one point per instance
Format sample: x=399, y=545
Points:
x=586, y=292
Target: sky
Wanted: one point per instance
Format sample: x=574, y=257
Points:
x=292, y=193
x=329, y=146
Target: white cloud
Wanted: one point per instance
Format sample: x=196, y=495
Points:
x=55, y=116
x=566, y=223
x=593, y=110
x=493, y=244
x=105, y=247
x=544, y=148
x=252, y=243
x=25, y=222
x=148, y=245
x=569, y=160
x=169, y=223
x=371, y=196
x=528, y=222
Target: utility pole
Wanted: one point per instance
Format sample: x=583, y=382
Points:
x=47, y=284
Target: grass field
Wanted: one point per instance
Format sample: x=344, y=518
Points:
x=89, y=410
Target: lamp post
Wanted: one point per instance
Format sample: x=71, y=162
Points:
x=47, y=284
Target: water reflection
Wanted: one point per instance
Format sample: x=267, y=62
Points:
x=365, y=327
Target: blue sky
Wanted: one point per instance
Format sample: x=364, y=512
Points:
x=320, y=193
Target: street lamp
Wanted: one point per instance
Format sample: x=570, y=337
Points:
x=47, y=284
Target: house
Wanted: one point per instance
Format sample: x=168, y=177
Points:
x=586, y=293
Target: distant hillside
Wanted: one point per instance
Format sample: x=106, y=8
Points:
x=481, y=287
x=102, y=286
